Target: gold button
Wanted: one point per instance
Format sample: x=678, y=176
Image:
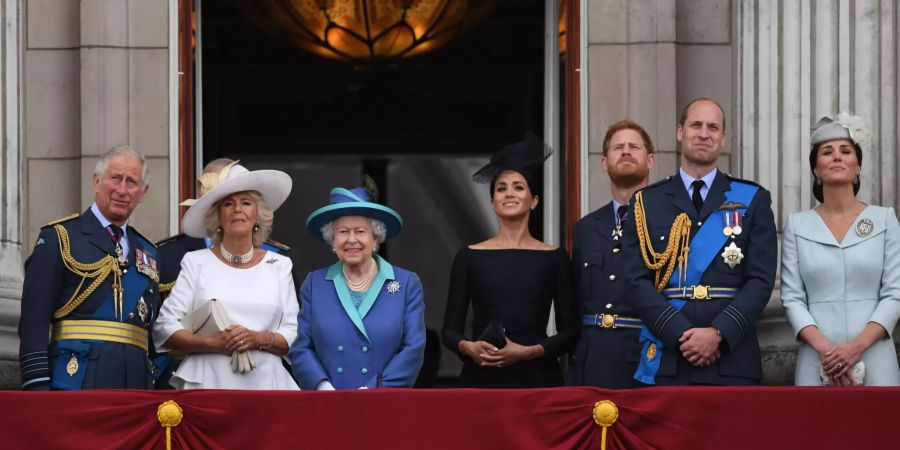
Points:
x=699, y=224
x=615, y=250
x=585, y=264
x=662, y=238
x=612, y=278
x=609, y=306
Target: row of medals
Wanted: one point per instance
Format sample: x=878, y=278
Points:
x=123, y=263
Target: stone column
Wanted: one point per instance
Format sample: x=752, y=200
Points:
x=11, y=238
x=797, y=61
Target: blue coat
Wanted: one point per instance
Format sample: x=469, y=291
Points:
x=381, y=344
x=604, y=357
x=735, y=318
x=49, y=285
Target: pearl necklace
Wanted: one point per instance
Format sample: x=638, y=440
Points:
x=360, y=286
x=236, y=259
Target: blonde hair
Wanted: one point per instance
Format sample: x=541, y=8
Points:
x=265, y=218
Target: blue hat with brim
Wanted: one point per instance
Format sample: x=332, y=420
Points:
x=353, y=202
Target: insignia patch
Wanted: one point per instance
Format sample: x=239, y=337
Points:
x=732, y=255
x=72, y=366
x=651, y=351
x=865, y=227
x=142, y=310
x=393, y=287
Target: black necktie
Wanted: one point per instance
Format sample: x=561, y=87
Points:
x=116, y=233
x=621, y=213
x=696, y=197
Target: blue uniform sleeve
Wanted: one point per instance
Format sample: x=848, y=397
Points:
x=44, y=272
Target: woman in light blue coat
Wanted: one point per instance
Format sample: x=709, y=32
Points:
x=362, y=321
x=840, y=269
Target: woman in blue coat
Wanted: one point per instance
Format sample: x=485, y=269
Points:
x=362, y=321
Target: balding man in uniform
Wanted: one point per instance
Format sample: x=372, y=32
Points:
x=701, y=255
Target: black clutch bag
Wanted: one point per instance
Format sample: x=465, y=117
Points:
x=494, y=334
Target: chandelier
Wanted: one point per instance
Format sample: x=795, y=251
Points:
x=368, y=30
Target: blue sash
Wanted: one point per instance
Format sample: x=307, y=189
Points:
x=704, y=247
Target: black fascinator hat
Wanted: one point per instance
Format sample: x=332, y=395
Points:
x=526, y=157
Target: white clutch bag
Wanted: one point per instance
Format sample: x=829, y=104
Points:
x=209, y=319
x=857, y=375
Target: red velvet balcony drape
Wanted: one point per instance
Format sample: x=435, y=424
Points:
x=653, y=418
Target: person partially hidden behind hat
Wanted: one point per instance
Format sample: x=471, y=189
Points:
x=254, y=286
x=362, y=320
x=171, y=251
x=840, y=268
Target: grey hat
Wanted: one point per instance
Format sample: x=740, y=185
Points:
x=842, y=126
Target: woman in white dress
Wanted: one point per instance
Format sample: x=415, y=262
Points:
x=840, y=269
x=254, y=287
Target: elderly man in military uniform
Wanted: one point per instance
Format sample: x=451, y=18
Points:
x=92, y=281
x=173, y=249
x=608, y=350
x=701, y=255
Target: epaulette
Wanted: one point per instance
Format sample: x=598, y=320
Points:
x=61, y=220
x=278, y=245
x=658, y=183
x=742, y=180
x=169, y=240
x=142, y=236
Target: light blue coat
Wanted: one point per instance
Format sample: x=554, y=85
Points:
x=841, y=287
x=384, y=339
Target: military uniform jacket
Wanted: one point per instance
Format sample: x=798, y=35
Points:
x=735, y=318
x=49, y=285
x=603, y=357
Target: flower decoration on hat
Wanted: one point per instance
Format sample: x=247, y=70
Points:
x=856, y=125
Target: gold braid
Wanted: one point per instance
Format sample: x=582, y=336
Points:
x=99, y=271
x=677, y=248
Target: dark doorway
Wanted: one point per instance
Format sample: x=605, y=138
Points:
x=420, y=127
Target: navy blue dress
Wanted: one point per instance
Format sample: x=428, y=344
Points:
x=515, y=287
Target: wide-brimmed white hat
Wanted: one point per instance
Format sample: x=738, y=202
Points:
x=273, y=185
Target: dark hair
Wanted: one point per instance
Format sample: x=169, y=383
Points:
x=814, y=155
x=626, y=125
x=684, y=111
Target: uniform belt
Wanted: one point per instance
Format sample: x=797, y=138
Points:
x=699, y=292
x=610, y=321
x=100, y=330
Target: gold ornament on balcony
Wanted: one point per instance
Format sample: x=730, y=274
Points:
x=363, y=31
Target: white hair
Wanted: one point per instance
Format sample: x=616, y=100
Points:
x=379, y=230
x=123, y=150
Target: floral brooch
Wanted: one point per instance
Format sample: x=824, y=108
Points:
x=393, y=287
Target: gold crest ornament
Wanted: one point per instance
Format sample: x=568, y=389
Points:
x=651, y=351
x=142, y=310
x=605, y=415
x=732, y=255
x=72, y=366
x=393, y=287
x=865, y=227
x=169, y=414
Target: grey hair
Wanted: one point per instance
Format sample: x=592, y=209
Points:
x=216, y=165
x=265, y=218
x=379, y=230
x=123, y=150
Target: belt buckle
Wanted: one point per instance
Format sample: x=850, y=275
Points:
x=700, y=293
x=607, y=320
